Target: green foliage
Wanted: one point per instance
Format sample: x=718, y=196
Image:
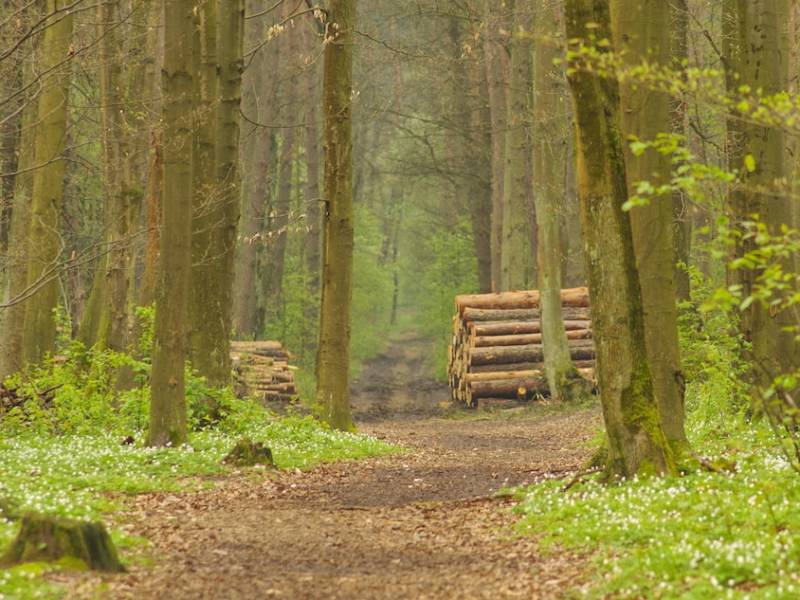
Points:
x=441, y=266
x=731, y=534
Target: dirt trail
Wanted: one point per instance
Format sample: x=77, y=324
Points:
x=418, y=525
x=397, y=384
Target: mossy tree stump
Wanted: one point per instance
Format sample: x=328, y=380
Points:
x=247, y=453
x=44, y=538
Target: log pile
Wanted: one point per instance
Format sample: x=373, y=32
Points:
x=496, y=349
x=262, y=370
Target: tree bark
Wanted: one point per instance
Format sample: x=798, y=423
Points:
x=12, y=319
x=756, y=55
x=496, y=59
x=168, y=403
x=333, y=393
x=214, y=239
x=640, y=35
x=258, y=157
x=637, y=444
x=48, y=188
x=516, y=252
x=550, y=133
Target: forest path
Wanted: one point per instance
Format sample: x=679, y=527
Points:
x=423, y=524
x=398, y=383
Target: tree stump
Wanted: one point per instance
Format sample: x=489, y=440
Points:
x=247, y=453
x=43, y=538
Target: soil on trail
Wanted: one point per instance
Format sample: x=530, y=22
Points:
x=424, y=524
x=397, y=384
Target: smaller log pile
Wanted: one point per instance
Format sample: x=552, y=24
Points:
x=496, y=349
x=263, y=370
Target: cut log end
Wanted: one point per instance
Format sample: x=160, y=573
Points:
x=45, y=538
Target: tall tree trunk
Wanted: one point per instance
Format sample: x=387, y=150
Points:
x=153, y=64
x=167, y=384
x=206, y=209
x=636, y=439
x=497, y=72
x=473, y=176
x=48, y=187
x=551, y=127
x=258, y=100
x=682, y=220
x=516, y=252
x=313, y=249
x=217, y=200
x=12, y=318
x=333, y=362
x=756, y=55
x=113, y=322
x=640, y=35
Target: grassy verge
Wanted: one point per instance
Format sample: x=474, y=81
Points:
x=728, y=534
x=74, y=476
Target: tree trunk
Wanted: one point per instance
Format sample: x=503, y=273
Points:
x=682, y=220
x=516, y=252
x=155, y=167
x=641, y=36
x=550, y=133
x=168, y=403
x=112, y=322
x=312, y=190
x=258, y=100
x=637, y=443
x=496, y=61
x=48, y=187
x=756, y=55
x=12, y=318
x=214, y=238
x=333, y=393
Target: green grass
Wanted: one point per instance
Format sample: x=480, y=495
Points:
x=733, y=534
x=73, y=476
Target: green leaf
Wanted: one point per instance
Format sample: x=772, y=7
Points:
x=750, y=163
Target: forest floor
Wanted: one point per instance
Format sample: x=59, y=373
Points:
x=422, y=524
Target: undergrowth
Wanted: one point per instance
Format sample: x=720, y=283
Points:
x=730, y=530
x=74, y=446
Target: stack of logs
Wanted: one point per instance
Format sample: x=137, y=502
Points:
x=263, y=370
x=496, y=351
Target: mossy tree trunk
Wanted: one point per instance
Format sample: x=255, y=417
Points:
x=637, y=444
x=12, y=318
x=516, y=253
x=640, y=35
x=550, y=131
x=168, y=403
x=756, y=55
x=45, y=243
x=333, y=362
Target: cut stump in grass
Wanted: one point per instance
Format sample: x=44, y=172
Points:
x=247, y=453
x=45, y=538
